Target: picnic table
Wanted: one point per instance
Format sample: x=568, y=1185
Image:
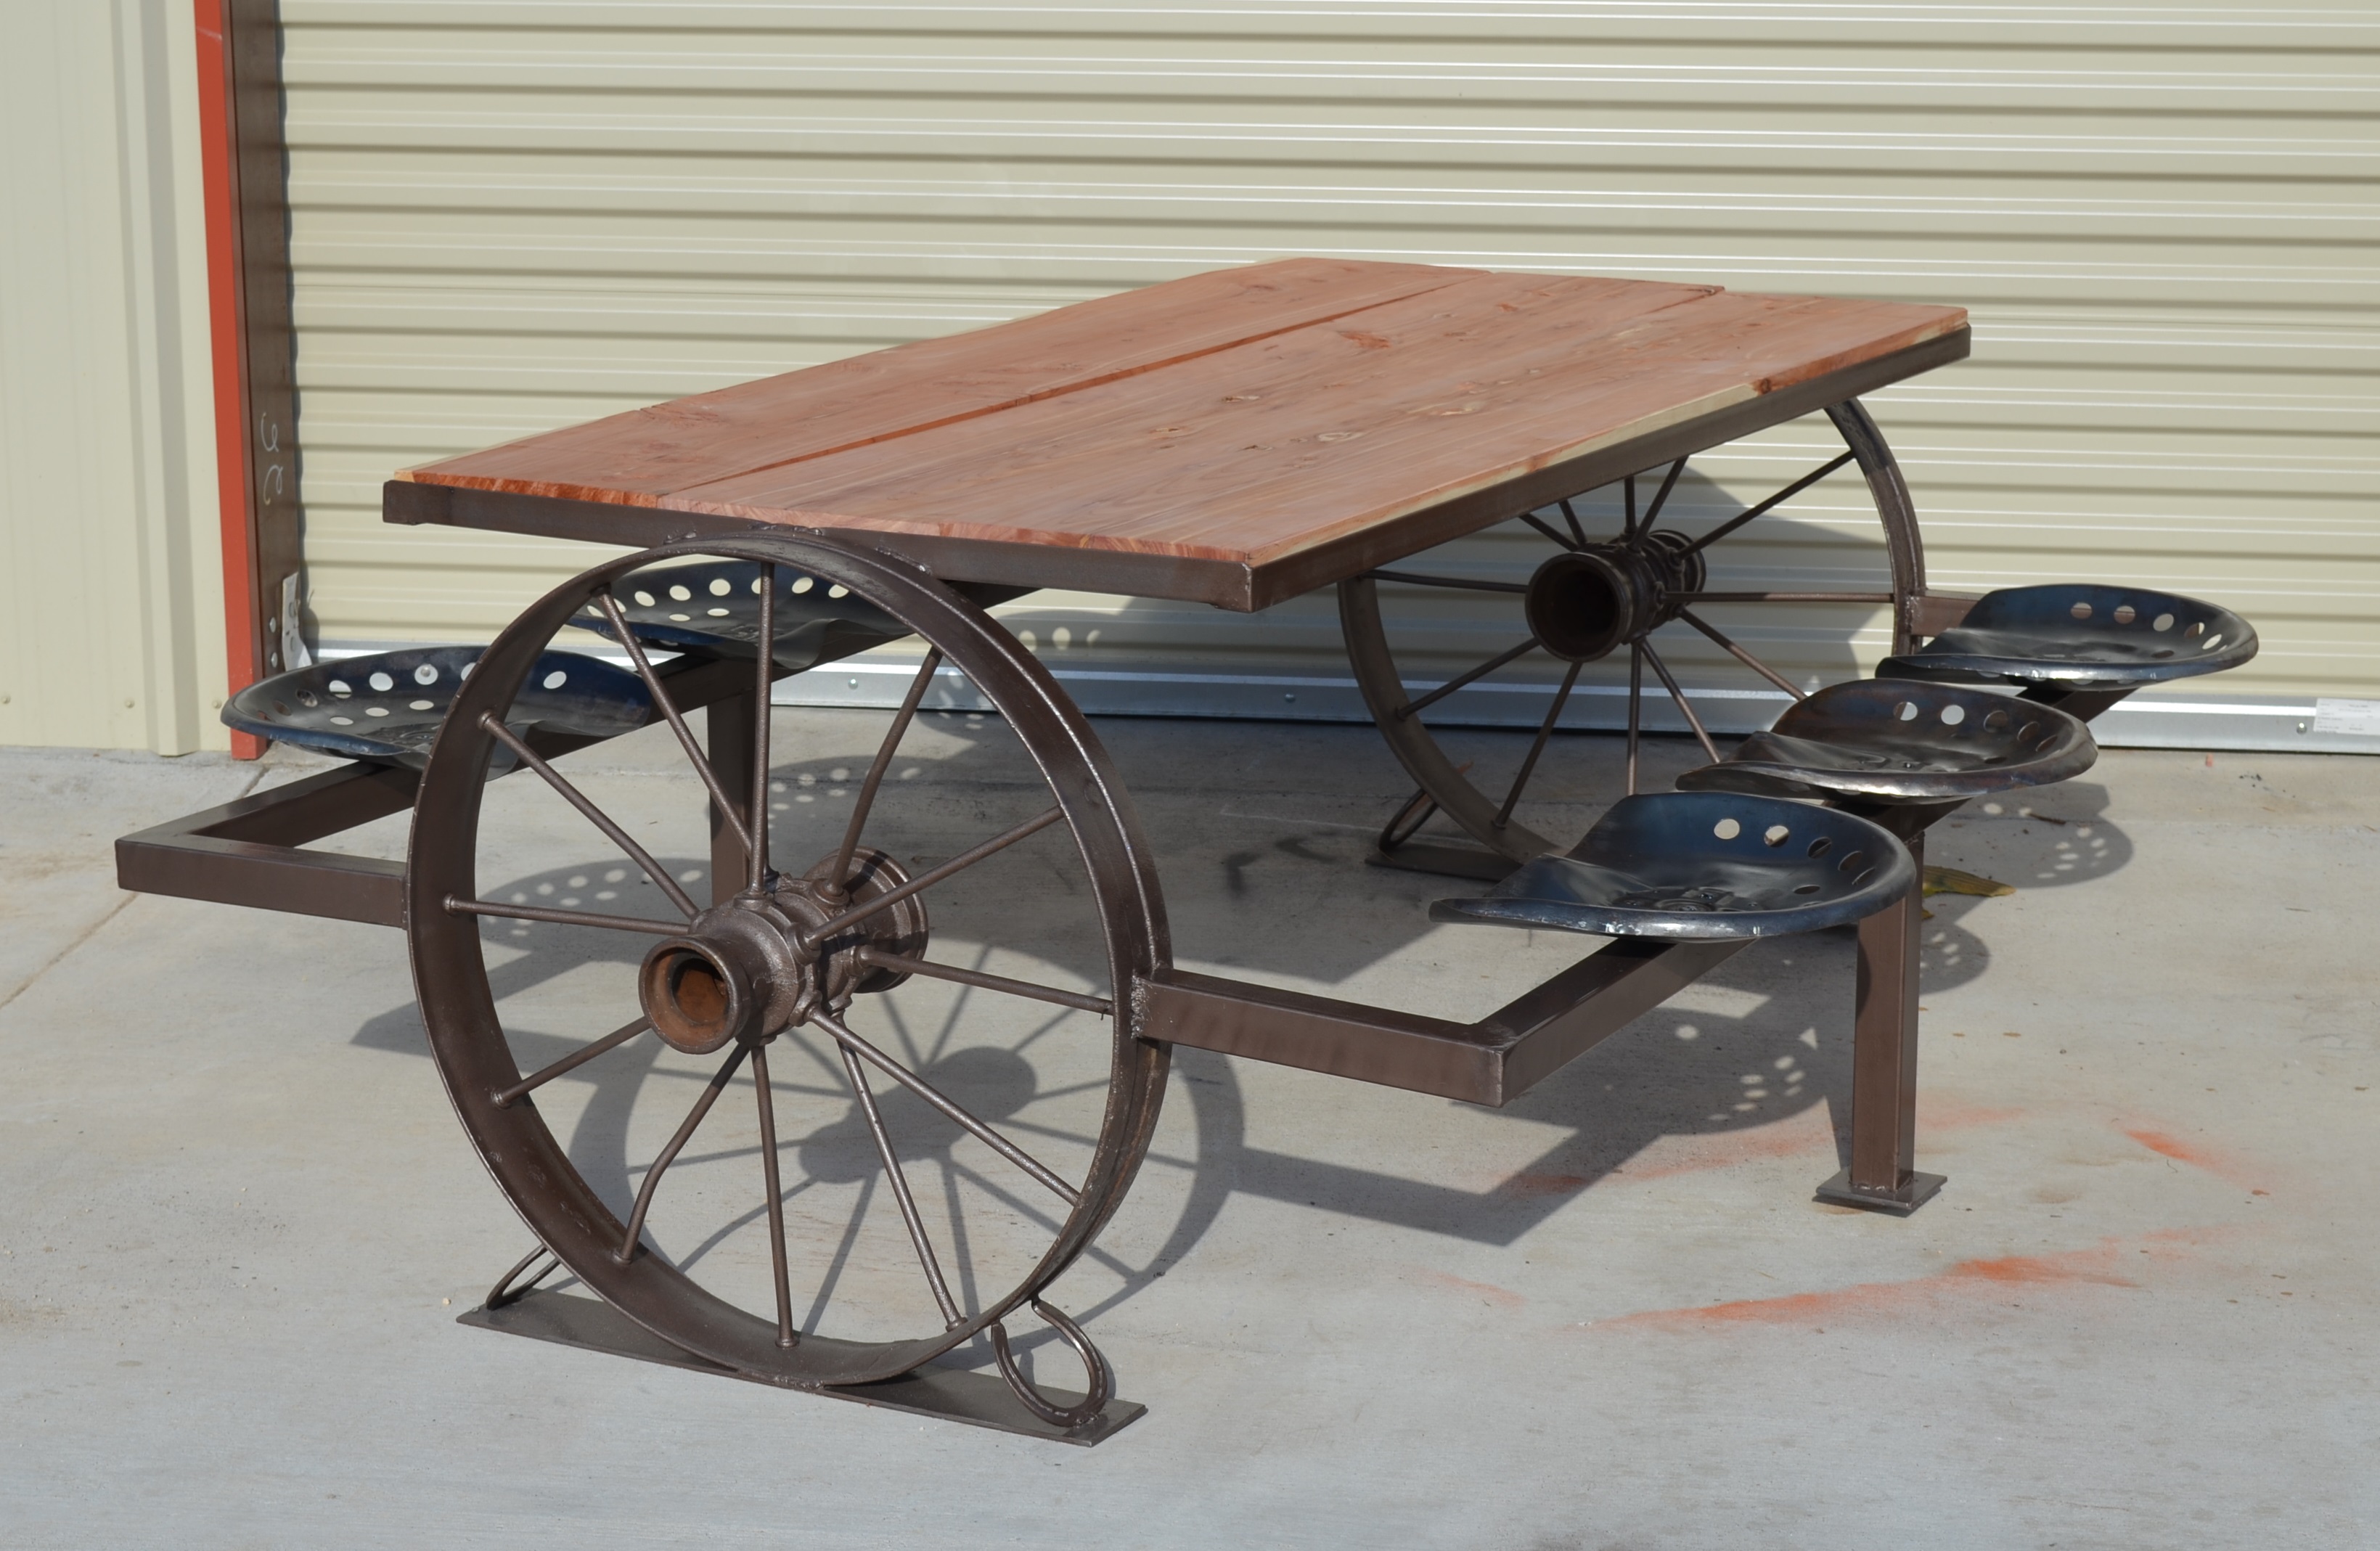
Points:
x=1235, y=439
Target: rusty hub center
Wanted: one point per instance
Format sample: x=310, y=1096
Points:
x=752, y=967
x=1583, y=604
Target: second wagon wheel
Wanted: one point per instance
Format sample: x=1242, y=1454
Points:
x=869, y=1092
x=1592, y=591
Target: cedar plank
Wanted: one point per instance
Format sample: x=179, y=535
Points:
x=639, y=456
x=1169, y=464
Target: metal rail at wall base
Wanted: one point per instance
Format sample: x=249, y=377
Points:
x=1117, y=685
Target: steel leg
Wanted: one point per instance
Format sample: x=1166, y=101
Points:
x=729, y=737
x=1882, y=1175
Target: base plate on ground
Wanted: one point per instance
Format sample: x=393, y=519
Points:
x=1441, y=859
x=1915, y=1191
x=945, y=1394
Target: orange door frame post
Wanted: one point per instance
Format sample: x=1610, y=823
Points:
x=245, y=190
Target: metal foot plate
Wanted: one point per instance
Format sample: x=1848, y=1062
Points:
x=944, y=1394
x=1446, y=861
x=1913, y=1192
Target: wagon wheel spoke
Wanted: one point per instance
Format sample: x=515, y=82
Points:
x=776, y=1190
x=573, y=1060
x=594, y=815
x=711, y=1091
x=1661, y=496
x=1757, y=666
x=1796, y=488
x=457, y=905
x=1413, y=707
x=729, y=812
x=900, y=1182
x=877, y=958
x=884, y=753
x=1570, y=515
x=756, y=870
x=1680, y=696
x=1542, y=527
x=854, y=1045
x=1467, y=584
x=826, y=930
x=1545, y=731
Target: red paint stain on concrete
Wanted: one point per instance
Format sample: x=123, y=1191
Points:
x=2094, y=1266
x=1487, y=1292
x=2166, y=1145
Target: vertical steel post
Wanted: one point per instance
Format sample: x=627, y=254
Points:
x=728, y=725
x=1883, y=1174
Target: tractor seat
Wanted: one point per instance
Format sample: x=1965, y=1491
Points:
x=714, y=606
x=2081, y=635
x=1902, y=740
x=390, y=705
x=1702, y=865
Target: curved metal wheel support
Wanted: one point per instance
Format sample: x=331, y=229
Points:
x=1095, y=1367
x=851, y=940
x=1663, y=569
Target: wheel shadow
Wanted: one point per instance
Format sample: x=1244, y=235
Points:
x=1714, y=1080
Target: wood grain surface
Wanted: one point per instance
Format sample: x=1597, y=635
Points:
x=1232, y=418
x=642, y=455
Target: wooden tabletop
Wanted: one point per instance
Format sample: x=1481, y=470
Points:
x=1235, y=437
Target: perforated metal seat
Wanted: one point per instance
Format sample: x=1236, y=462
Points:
x=1702, y=865
x=2081, y=635
x=714, y=605
x=1902, y=740
x=389, y=705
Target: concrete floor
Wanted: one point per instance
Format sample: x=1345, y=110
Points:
x=239, y=1218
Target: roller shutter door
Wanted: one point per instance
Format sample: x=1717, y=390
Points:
x=512, y=216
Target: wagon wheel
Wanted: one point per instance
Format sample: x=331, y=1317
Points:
x=817, y=961
x=1591, y=596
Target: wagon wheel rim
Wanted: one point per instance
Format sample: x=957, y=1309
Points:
x=610, y=1250
x=1486, y=809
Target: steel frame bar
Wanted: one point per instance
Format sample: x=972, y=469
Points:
x=1491, y=1062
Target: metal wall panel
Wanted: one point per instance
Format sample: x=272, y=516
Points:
x=510, y=216
x=110, y=574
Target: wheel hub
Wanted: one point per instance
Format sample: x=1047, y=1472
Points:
x=1584, y=604
x=754, y=965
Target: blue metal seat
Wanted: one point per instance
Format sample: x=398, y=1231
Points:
x=1702, y=865
x=714, y=605
x=2081, y=635
x=1902, y=740
x=390, y=705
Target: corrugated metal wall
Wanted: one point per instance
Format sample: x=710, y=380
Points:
x=111, y=614
x=512, y=215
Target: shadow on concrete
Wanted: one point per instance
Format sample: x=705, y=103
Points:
x=1782, y=1051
